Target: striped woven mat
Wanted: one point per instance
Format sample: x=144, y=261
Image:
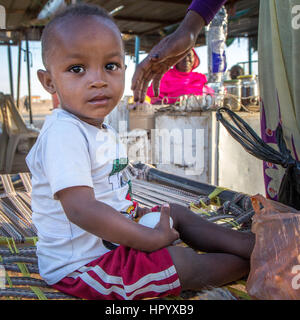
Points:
x=19, y=274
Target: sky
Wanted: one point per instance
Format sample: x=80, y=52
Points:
x=237, y=52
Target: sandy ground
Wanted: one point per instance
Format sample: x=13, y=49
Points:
x=39, y=112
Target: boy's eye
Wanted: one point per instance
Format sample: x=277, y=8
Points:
x=112, y=66
x=76, y=69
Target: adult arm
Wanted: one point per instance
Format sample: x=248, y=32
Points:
x=207, y=9
x=173, y=48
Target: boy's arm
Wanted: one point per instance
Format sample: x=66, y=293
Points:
x=100, y=219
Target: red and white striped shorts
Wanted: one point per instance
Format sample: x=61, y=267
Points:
x=124, y=274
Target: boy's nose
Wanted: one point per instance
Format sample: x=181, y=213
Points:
x=97, y=80
x=98, y=84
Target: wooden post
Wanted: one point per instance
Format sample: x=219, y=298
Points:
x=19, y=73
x=28, y=77
x=250, y=55
x=137, y=50
x=11, y=82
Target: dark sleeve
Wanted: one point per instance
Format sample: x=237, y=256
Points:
x=206, y=8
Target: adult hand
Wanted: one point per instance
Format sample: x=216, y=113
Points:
x=165, y=54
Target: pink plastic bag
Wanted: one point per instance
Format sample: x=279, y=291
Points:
x=275, y=260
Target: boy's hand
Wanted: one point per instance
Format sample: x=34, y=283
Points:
x=169, y=235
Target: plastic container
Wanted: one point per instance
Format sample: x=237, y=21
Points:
x=216, y=33
x=249, y=90
x=232, y=94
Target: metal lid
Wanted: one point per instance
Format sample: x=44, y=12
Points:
x=247, y=77
x=233, y=81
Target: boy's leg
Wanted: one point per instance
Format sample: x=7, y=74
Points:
x=201, y=271
x=200, y=234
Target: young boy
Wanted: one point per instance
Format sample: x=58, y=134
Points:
x=80, y=196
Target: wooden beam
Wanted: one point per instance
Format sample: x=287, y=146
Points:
x=163, y=25
x=144, y=20
x=243, y=25
x=183, y=2
x=13, y=11
x=4, y=37
x=12, y=4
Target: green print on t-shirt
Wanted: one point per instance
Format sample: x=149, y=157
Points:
x=119, y=165
x=116, y=178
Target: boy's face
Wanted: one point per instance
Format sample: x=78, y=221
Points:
x=85, y=67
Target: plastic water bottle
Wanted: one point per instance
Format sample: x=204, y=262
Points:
x=216, y=37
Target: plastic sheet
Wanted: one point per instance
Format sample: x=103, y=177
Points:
x=275, y=260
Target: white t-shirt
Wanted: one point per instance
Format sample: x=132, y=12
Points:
x=70, y=152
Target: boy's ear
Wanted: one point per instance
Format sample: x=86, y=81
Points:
x=46, y=81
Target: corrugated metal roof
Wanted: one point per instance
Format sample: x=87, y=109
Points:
x=147, y=18
x=20, y=13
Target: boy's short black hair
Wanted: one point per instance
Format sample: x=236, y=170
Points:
x=77, y=10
